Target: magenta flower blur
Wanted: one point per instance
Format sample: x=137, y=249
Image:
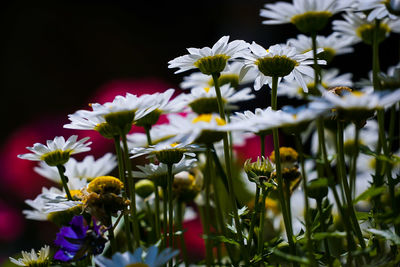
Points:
x=79, y=240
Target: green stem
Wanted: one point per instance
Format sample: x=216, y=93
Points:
x=306, y=202
x=355, y=151
x=157, y=215
x=323, y=228
x=131, y=185
x=375, y=57
x=332, y=186
x=64, y=180
x=150, y=218
x=170, y=209
x=386, y=167
x=392, y=124
x=229, y=170
x=111, y=236
x=207, y=212
x=122, y=177
x=254, y=217
x=346, y=188
x=180, y=215
x=260, y=246
x=262, y=142
x=281, y=194
x=147, y=129
x=317, y=69
x=165, y=215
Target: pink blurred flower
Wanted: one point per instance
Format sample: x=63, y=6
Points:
x=11, y=223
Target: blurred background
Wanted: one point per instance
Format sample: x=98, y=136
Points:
x=58, y=56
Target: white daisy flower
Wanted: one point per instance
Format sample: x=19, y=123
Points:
x=357, y=28
x=280, y=61
x=159, y=172
x=262, y=121
x=87, y=169
x=329, y=78
x=231, y=76
x=161, y=104
x=362, y=101
x=209, y=60
x=57, y=151
x=204, y=100
x=332, y=45
x=158, y=133
x=377, y=9
x=307, y=15
x=50, y=200
x=200, y=129
x=166, y=153
x=40, y=258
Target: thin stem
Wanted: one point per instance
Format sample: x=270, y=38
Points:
x=150, y=218
x=306, y=202
x=165, y=216
x=180, y=216
x=147, y=129
x=332, y=185
x=375, y=57
x=131, y=184
x=346, y=188
x=64, y=180
x=262, y=142
x=111, y=236
x=281, y=194
x=262, y=220
x=354, y=153
x=386, y=167
x=323, y=228
x=317, y=70
x=170, y=209
x=254, y=217
x=207, y=212
x=122, y=177
x=157, y=215
x=229, y=170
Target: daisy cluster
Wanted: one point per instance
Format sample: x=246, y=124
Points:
x=331, y=201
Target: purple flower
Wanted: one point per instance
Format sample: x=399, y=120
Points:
x=79, y=240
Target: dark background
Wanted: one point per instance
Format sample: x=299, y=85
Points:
x=54, y=56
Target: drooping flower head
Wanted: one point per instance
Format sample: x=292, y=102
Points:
x=329, y=78
x=158, y=173
x=87, y=169
x=332, y=45
x=79, y=240
x=307, y=15
x=167, y=153
x=151, y=259
x=357, y=28
x=230, y=76
x=57, y=151
x=34, y=259
x=377, y=9
x=204, y=100
x=280, y=61
x=209, y=60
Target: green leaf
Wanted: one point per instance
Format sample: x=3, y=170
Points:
x=362, y=215
x=387, y=234
x=222, y=239
x=323, y=235
x=369, y=193
x=393, y=159
x=290, y=257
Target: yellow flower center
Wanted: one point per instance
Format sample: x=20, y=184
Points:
x=207, y=89
x=357, y=93
x=212, y=64
x=105, y=184
x=208, y=118
x=277, y=66
x=311, y=21
x=366, y=32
